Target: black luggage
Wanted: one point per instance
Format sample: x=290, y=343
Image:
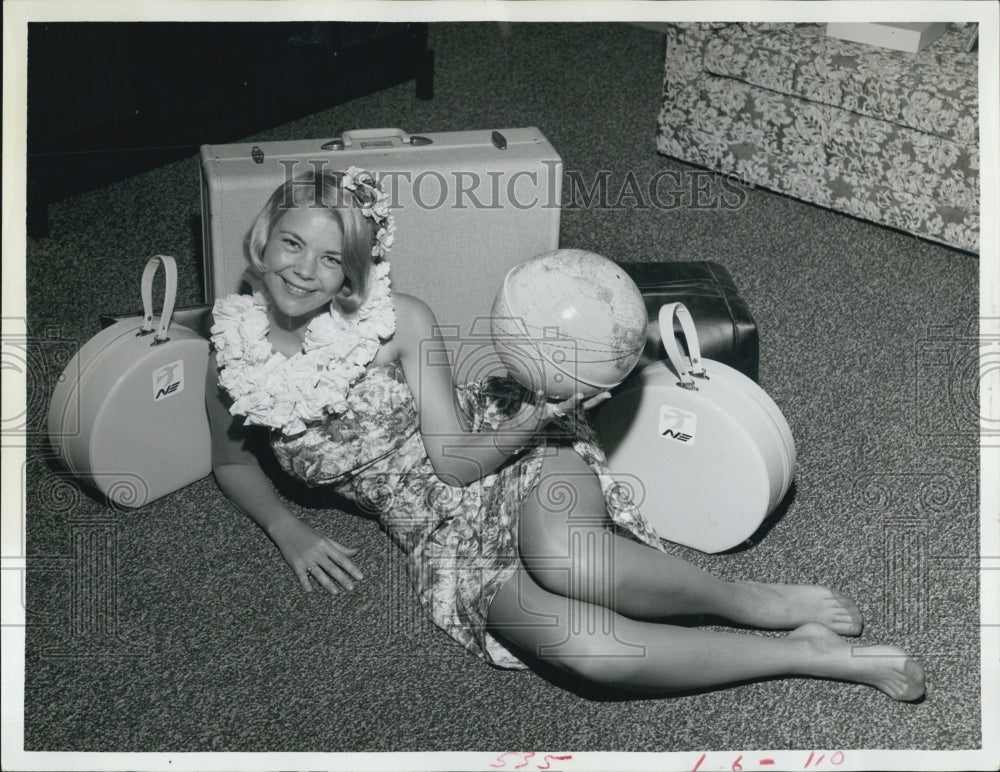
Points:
x=726, y=330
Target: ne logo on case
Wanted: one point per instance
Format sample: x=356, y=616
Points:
x=168, y=380
x=677, y=425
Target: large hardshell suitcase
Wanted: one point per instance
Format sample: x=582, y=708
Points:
x=709, y=452
x=468, y=206
x=128, y=414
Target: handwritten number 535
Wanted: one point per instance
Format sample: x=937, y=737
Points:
x=524, y=758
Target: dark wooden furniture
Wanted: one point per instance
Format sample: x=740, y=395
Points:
x=108, y=100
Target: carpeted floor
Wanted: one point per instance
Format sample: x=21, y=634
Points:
x=867, y=343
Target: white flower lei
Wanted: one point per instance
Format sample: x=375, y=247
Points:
x=286, y=393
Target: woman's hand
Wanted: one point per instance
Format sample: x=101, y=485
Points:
x=535, y=415
x=541, y=412
x=576, y=402
x=309, y=553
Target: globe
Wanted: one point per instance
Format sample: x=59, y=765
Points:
x=568, y=321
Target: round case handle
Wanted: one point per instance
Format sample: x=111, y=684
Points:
x=169, y=296
x=666, y=321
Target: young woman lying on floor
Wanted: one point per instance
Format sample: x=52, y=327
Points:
x=500, y=498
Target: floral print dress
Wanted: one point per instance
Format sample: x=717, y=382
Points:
x=460, y=541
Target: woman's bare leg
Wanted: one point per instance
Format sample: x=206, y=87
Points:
x=598, y=645
x=569, y=551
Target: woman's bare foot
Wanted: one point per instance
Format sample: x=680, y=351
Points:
x=787, y=606
x=887, y=668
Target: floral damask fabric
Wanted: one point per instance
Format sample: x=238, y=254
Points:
x=460, y=542
x=883, y=135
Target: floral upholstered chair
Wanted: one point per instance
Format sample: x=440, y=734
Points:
x=883, y=135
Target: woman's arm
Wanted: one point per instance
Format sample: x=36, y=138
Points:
x=241, y=478
x=459, y=456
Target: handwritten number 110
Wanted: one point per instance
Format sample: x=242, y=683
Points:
x=836, y=759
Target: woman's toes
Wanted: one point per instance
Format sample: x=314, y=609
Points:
x=846, y=617
x=916, y=685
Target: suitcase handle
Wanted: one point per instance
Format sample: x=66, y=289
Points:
x=169, y=297
x=679, y=311
x=378, y=136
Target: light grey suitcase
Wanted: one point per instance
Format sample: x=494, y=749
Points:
x=468, y=205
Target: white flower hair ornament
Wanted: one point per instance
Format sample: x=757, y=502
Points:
x=374, y=204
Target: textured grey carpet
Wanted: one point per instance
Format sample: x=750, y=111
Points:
x=866, y=343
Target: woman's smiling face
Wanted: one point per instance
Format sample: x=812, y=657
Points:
x=302, y=256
